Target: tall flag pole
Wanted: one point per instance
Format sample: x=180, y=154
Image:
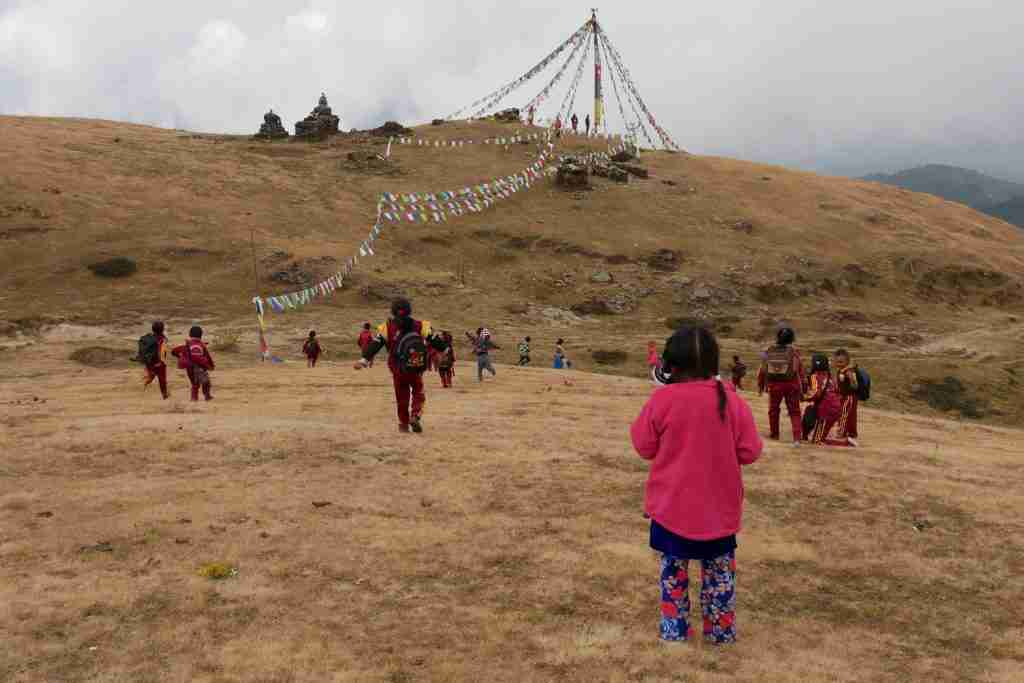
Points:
x=598, y=95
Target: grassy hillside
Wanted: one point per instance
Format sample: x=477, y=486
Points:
x=919, y=288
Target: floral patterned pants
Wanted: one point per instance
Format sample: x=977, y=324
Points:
x=717, y=597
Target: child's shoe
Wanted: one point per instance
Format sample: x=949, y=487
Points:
x=416, y=426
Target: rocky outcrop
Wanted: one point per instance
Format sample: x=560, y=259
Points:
x=391, y=128
x=271, y=128
x=507, y=115
x=634, y=170
x=321, y=122
x=572, y=175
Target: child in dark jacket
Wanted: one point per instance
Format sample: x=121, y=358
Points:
x=444, y=359
x=697, y=433
x=739, y=371
x=312, y=349
x=195, y=359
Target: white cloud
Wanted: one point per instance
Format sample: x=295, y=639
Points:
x=310, y=21
x=845, y=87
x=219, y=45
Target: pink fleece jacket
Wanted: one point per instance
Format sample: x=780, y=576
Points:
x=695, y=488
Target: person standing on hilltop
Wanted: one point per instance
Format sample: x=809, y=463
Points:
x=587, y=121
x=406, y=340
x=575, y=124
x=782, y=376
x=153, y=354
x=482, y=345
x=697, y=433
x=195, y=359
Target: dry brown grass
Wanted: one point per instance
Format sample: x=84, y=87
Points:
x=504, y=544
x=185, y=206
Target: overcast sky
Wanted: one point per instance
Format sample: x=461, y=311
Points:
x=839, y=87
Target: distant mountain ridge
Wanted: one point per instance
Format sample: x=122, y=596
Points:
x=994, y=196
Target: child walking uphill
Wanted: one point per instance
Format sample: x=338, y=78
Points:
x=482, y=345
x=445, y=360
x=782, y=375
x=153, y=354
x=195, y=359
x=697, y=433
x=312, y=349
x=739, y=371
x=524, y=352
x=365, y=338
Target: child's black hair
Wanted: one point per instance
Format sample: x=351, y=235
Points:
x=158, y=327
x=312, y=333
x=366, y=326
x=819, y=363
x=527, y=339
x=401, y=308
x=842, y=353
x=560, y=341
x=196, y=332
x=692, y=353
x=736, y=359
x=785, y=336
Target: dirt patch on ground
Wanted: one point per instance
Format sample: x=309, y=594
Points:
x=101, y=357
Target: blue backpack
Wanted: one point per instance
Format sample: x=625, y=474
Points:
x=863, y=385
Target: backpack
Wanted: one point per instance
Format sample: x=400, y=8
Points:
x=445, y=359
x=411, y=353
x=810, y=419
x=778, y=362
x=149, y=349
x=863, y=385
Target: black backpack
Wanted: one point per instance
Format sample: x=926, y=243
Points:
x=411, y=353
x=863, y=385
x=149, y=349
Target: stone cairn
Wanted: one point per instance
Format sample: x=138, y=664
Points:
x=320, y=122
x=271, y=127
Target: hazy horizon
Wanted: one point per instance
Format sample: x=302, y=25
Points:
x=871, y=88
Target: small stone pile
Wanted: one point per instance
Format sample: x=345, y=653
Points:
x=271, y=128
x=572, y=175
x=507, y=115
x=320, y=122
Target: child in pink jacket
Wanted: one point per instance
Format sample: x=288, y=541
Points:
x=697, y=433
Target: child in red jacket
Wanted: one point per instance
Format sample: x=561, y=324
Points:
x=782, y=376
x=697, y=432
x=824, y=398
x=195, y=359
x=312, y=350
x=365, y=339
